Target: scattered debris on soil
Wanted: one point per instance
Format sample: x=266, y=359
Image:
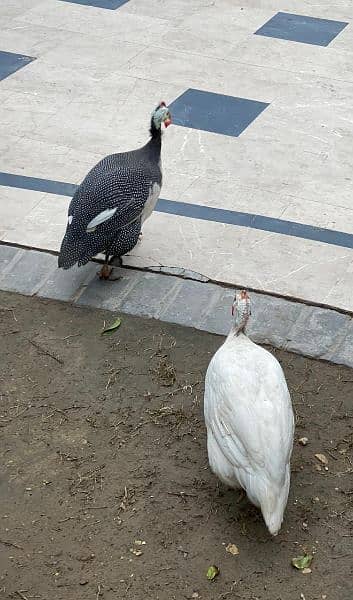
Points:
x=105, y=487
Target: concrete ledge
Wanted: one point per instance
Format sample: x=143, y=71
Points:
x=308, y=330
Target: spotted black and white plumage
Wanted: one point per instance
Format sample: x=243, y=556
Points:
x=108, y=208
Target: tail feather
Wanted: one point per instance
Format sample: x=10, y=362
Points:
x=273, y=504
x=77, y=250
x=271, y=498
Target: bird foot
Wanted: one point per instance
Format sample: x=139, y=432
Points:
x=140, y=236
x=106, y=272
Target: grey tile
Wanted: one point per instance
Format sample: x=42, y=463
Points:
x=7, y=254
x=219, y=317
x=64, y=285
x=343, y=354
x=317, y=330
x=29, y=273
x=150, y=295
x=109, y=294
x=191, y=304
x=272, y=319
x=299, y=28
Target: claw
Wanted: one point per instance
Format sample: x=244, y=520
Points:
x=105, y=273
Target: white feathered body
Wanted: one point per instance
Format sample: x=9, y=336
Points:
x=250, y=424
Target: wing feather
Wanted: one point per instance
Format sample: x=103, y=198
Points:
x=248, y=409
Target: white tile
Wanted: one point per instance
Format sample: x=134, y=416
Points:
x=113, y=26
x=33, y=40
x=125, y=107
x=319, y=214
x=336, y=10
x=212, y=32
x=91, y=54
x=173, y=9
x=294, y=57
x=13, y=8
x=15, y=205
x=44, y=226
x=212, y=74
x=340, y=294
x=33, y=158
x=256, y=259
x=230, y=194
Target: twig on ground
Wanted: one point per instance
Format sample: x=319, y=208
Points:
x=9, y=310
x=19, y=593
x=44, y=351
x=6, y=543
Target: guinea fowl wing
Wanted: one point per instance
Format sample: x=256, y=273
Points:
x=101, y=209
x=252, y=419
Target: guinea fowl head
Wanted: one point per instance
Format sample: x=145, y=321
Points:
x=241, y=310
x=160, y=115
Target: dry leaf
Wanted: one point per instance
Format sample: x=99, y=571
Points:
x=322, y=458
x=303, y=441
x=232, y=549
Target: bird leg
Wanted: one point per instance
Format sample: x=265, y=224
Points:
x=106, y=270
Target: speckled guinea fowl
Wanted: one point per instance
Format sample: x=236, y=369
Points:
x=108, y=208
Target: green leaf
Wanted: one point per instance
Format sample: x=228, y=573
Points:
x=302, y=562
x=111, y=328
x=212, y=572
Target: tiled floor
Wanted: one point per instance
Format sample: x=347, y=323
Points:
x=217, y=113
x=10, y=63
x=299, y=28
x=266, y=203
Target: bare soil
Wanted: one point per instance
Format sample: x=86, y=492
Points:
x=105, y=487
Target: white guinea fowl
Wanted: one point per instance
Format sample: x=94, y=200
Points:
x=249, y=419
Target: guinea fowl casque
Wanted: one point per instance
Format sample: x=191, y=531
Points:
x=249, y=419
x=108, y=208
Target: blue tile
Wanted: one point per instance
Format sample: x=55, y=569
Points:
x=109, y=4
x=298, y=28
x=199, y=211
x=10, y=63
x=217, y=113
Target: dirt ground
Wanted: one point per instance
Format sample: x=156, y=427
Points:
x=105, y=487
